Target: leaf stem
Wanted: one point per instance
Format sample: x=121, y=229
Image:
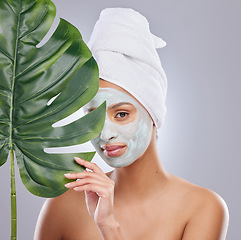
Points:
x=13, y=199
x=13, y=187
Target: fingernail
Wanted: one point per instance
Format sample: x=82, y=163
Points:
x=77, y=158
x=67, y=174
x=67, y=185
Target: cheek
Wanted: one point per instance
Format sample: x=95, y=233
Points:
x=142, y=135
x=128, y=131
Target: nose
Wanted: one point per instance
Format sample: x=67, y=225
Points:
x=109, y=131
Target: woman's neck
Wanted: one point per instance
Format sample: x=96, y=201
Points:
x=143, y=177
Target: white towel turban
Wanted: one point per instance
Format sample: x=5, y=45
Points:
x=125, y=51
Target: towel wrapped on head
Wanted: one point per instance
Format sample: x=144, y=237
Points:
x=125, y=51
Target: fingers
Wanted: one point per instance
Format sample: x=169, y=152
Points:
x=92, y=166
x=85, y=174
x=94, y=181
x=89, y=165
x=102, y=191
x=87, y=180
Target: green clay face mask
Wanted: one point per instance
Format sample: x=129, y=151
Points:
x=120, y=145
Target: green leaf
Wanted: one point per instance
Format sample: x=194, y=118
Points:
x=29, y=77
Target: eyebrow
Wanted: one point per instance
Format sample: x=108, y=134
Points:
x=120, y=104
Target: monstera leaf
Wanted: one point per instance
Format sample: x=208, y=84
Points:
x=29, y=77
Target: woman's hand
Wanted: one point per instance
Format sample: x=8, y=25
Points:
x=99, y=192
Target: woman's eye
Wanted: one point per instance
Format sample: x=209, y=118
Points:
x=121, y=115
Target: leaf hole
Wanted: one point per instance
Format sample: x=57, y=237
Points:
x=52, y=99
x=84, y=147
x=71, y=118
x=49, y=33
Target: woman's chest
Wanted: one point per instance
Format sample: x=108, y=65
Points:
x=155, y=223
x=132, y=228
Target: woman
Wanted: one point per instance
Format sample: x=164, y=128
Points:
x=139, y=199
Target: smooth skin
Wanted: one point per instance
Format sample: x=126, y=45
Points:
x=138, y=202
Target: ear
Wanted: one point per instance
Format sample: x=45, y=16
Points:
x=155, y=131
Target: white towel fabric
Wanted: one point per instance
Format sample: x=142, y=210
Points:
x=125, y=51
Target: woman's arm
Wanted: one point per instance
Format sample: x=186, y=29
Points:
x=99, y=195
x=209, y=220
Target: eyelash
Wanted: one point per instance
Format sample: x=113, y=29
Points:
x=126, y=114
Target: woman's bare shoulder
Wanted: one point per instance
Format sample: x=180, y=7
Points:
x=59, y=212
x=206, y=210
x=67, y=205
x=58, y=204
x=202, y=197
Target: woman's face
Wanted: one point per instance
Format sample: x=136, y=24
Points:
x=128, y=127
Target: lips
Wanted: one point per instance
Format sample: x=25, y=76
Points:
x=114, y=150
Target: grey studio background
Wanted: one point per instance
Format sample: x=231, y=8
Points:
x=201, y=138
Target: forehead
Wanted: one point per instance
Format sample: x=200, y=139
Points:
x=112, y=96
x=106, y=84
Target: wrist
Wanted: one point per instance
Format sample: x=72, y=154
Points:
x=110, y=230
x=110, y=223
